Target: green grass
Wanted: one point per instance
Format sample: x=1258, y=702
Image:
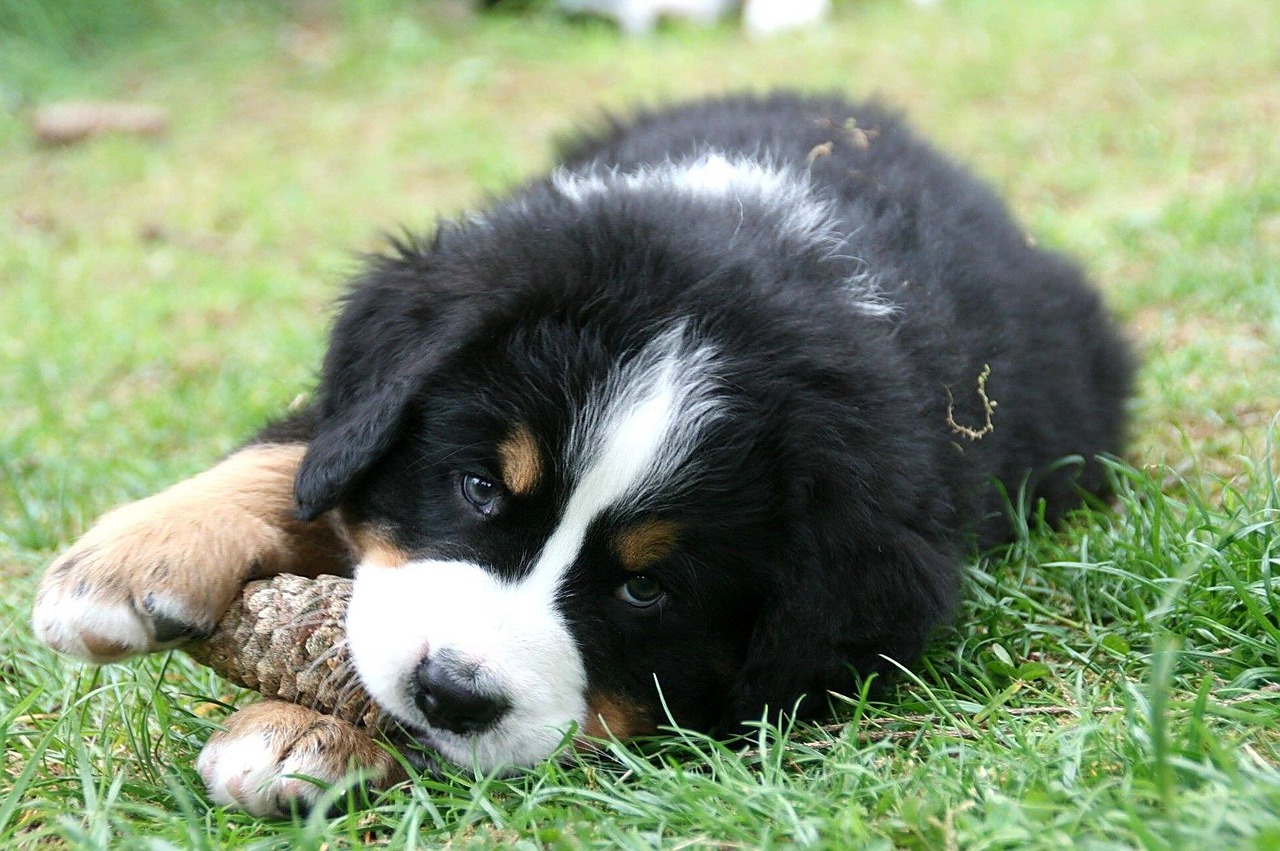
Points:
x=1113, y=684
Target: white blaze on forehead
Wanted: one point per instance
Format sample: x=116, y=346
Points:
x=631, y=439
x=806, y=214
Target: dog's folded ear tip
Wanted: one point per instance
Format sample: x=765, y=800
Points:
x=314, y=493
x=306, y=512
x=310, y=502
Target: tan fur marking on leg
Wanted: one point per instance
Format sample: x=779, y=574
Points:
x=147, y=571
x=232, y=522
x=521, y=461
x=237, y=514
x=256, y=487
x=616, y=715
x=646, y=543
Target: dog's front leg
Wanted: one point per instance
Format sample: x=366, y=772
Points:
x=160, y=572
x=273, y=757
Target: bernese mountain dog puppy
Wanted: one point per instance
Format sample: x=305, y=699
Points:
x=697, y=429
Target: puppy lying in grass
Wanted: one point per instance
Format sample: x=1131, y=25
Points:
x=698, y=427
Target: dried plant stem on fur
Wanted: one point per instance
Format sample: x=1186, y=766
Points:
x=988, y=408
x=285, y=637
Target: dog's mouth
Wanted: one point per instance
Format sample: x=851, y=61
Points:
x=417, y=746
x=434, y=752
x=483, y=674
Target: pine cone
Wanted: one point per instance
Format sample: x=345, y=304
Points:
x=285, y=637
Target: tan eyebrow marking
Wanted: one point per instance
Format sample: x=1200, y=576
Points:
x=521, y=461
x=646, y=543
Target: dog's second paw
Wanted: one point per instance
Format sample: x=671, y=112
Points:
x=89, y=609
x=158, y=573
x=273, y=758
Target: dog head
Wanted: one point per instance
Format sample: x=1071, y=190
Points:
x=601, y=474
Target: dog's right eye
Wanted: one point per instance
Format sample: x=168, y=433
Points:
x=642, y=592
x=482, y=493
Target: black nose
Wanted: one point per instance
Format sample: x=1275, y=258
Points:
x=448, y=695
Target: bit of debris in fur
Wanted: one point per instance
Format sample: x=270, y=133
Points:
x=823, y=150
x=861, y=139
x=988, y=408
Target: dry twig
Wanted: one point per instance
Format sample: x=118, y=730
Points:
x=988, y=408
x=71, y=121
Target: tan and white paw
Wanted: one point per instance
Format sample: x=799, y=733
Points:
x=159, y=573
x=273, y=758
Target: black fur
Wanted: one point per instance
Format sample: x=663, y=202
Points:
x=838, y=499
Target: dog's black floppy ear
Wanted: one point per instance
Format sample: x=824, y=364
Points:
x=351, y=434
x=396, y=328
x=839, y=610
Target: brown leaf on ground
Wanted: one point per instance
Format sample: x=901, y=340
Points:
x=67, y=122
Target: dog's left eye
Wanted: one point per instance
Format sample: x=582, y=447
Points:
x=482, y=493
x=641, y=592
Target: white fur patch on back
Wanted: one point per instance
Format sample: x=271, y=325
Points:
x=717, y=177
x=805, y=215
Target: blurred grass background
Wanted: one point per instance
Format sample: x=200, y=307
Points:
x=160, y=298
